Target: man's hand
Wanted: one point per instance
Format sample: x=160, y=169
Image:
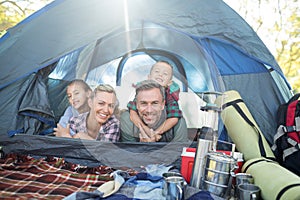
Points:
x=62, y=132
x=146, y=130
x=152, y=137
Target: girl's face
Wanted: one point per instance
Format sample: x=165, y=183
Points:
x=77, y=96
x=161, y=73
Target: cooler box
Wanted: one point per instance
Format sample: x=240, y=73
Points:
x=187, y=162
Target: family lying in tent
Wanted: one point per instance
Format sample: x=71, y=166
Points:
x=153, y=115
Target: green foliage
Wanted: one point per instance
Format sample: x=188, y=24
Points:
x=288, y=53
x=14, y=11
x=277, y=23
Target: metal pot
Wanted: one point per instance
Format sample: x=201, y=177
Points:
x=217, y=176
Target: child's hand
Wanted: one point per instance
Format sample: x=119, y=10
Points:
x=157, y=137
x=61, y=131
x=159, y=132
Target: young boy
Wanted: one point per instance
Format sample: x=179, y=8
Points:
x=161, y=72
x=78, y=93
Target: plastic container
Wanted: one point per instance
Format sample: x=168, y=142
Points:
x=187, y=162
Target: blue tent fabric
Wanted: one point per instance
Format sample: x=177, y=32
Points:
x=219, y=24
x=212, y=47
x=230, y=60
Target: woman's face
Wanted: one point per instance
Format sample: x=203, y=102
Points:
x=103, y=106
x=77, y=96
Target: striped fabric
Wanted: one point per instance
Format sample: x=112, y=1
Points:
x=25, y=177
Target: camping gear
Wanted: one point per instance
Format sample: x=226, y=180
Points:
x=287, y=139
x=275, y=181
x=211, y=117
x=243, y=178
x=242, y=128
x=203, y=147
x=208, y=136
x=174, y=186
x=218, y=171
x=240, y=161
x=187, y=163
x=248, y=192
x=188, y=156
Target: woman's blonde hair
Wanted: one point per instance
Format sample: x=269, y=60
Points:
x=109, y=89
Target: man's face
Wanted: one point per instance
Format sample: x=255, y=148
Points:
x=150, y=104
x=102, y=106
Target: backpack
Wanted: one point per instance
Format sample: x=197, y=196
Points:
x=287, y=139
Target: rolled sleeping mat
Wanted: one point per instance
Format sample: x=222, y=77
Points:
x=275, y=181
x=242, y=128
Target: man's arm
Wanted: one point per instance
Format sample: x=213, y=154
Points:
x=126, y=129
x=180, y=131
x=145, y=138
x=134, y=117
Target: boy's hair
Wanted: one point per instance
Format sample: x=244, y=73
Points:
x=85, y=86
x=147, y=85
x=162, y=61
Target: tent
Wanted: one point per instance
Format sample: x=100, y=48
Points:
x=115, y=42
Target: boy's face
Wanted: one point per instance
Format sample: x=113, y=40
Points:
x=77, y=96
x=162, y=73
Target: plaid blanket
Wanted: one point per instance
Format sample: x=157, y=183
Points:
x=26, y=177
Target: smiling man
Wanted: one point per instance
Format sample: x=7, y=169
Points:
x=150, y=103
